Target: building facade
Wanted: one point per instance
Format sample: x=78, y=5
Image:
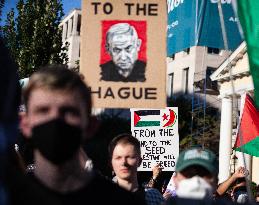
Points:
x=71, y=26
x=234, y=82
x=187, y=68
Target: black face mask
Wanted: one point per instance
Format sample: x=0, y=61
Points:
x=56, y=140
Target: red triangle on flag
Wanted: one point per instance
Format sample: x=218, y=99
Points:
x=136, y=119
x=249, y=125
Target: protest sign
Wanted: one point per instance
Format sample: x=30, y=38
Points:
x=123, y=52
x=157, y=131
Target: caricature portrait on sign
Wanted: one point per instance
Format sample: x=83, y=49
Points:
x=123, y=51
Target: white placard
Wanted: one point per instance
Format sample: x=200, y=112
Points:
x=157, y=131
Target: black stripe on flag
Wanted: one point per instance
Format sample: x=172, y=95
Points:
x=147, y=112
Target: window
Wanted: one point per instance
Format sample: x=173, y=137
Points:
x=71, y=28
x=79, y=50
x=187, y=51
x=209, y=83
x=78, y=29
x=185, y=80
x=209, y=71
x=171, y=84
x=213, y=50
x=66, y=29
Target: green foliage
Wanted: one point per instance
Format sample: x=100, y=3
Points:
x=2, y=2
x=207, y=130
x=201, y=130
x=10, y=33
x=34, y=37
x=77, y=62
x=1, y=7
x=184, y=105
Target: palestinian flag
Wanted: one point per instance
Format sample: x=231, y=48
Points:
x=249, y=19
x=146, y=118
x=247, y=140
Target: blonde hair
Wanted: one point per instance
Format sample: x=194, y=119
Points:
x=58, y=77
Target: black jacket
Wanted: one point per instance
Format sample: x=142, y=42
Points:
x=110, y=73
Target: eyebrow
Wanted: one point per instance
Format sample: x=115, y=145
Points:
x=74, y=109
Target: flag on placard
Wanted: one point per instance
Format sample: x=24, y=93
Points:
x=247, y=140
x=146, y=118
x=169, y=119
x=249, y=19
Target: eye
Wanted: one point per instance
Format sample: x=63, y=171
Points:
x=117, y=157
x=116, y=50
x=41, y=110
x=70, y=111
x=129, y=48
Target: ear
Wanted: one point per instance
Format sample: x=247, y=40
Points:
x=107, y=48
x=24, y=125
x=139, y=42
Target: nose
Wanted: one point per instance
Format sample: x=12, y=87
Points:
x=123, y=55
x=124, y=162
x=56, y=114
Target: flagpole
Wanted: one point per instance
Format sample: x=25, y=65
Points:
x=248, y=187
x=240, y=131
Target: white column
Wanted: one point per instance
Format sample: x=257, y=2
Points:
x=225, y=139
x=75, y=19
x=69, y=29
x=64, y=31
x=255, y=175
x=244, y=160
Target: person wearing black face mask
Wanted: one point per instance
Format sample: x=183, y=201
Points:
x=53, y=139
x=57, y=121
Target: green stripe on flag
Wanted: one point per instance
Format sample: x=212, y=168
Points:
x=147, y=123
x=251, y=147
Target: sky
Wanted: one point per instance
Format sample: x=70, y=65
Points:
x=68, y=5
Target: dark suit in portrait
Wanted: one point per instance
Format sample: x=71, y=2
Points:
x=109, y=72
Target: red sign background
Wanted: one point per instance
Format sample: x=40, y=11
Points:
x=141, y=28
